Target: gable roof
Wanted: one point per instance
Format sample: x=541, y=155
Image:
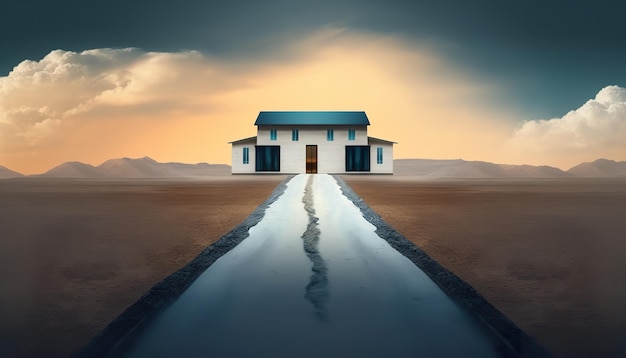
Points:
x=312, y=118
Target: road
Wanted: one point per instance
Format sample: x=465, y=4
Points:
x=313, y=279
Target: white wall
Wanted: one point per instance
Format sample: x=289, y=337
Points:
x=237, y=158
x=387, y=166
x=330, y=155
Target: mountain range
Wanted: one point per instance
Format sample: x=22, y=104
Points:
x=601, y=168
x=458, y=168
x=436, y=169
x=147, y=167
x=124, y=168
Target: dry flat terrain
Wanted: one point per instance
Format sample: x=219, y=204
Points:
x=549, y=254
x=75, y=254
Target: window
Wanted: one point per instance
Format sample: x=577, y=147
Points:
x=267, y=158
x=357, y=158
x=330, y=135
x=273, y=134
x=246, y=155
x=351, y=134
x=379, y=155
x=294, y=135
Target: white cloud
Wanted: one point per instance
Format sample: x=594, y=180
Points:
x=596, y=129
x=185, y=106
x=38, y=99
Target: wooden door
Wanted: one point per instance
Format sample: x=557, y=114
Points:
x=311, y=159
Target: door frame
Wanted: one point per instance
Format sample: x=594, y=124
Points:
x=311, y=159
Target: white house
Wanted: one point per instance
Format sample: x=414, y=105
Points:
x=312, y=142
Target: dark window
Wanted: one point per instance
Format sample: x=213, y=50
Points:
x=267, y=158
x=330, y=135
x=246, y=155
x=294, y=135
x=273, y=134
x=379, y=155
x=358, y=158
x=351, y=134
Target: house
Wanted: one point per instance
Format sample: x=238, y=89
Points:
x=312, y=142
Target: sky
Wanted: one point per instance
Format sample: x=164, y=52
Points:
x=533, y=82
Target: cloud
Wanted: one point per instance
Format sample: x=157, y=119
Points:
x=39, y=98
x=104, y=103
x=596, y=129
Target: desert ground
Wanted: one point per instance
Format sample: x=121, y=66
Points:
x=549, y=254
x=75, y=254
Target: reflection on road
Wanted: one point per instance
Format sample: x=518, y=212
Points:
x=363, y=298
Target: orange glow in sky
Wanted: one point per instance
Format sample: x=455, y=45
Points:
x=103, y=104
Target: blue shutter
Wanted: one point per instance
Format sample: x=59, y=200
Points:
x=246, y=155
x=330, y=135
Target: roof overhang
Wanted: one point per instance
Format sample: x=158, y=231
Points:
x=351, y=118
x=372, y=139
x=250, y=139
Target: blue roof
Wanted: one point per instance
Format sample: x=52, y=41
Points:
x=312, y=118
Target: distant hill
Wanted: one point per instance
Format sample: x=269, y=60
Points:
x=458, y=168
x=74, y=170
x=601, y=168
x=146, y=168
x=6, y=173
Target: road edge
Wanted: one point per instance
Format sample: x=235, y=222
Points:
x=111, y=339
x=518, y=343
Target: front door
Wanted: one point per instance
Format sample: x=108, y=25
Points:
x=311, y=159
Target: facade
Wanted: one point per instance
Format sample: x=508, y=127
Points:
x=312, y=142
